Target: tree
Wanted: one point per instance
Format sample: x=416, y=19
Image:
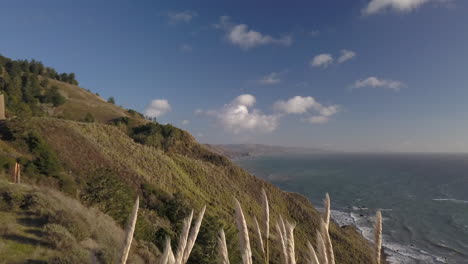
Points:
x=111, y=100
x=89, y=118
x=46, y=160
x=53, y=96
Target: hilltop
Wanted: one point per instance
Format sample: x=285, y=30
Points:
x=89, y=159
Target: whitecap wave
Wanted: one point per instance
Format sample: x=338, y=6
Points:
x=397, y=253
x=450, y=200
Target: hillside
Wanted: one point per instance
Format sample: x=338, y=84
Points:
x=100, y=166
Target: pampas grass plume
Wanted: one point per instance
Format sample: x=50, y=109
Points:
x=243, y=234
x=222, y=248
x=378, y=236
x=129, y=232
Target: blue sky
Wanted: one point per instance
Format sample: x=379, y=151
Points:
x=367, y=75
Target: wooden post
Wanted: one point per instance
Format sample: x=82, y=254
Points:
x=17, y=173
x=2, y=107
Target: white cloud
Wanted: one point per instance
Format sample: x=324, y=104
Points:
x=374, y=82
x=240, y=116
x=295, y=105
x=186, y=48
x=184, y=16
x=346, y=55
x=322, y=60
x=240, y=35
x=376, y=6
x=237, y=117
x=157, y=108
x=272, y=78
x=301, y=105
x=185, y=122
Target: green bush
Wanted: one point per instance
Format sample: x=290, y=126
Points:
x=75, y=224
x=109, y=194
x=59, y=237
x=89, y=118
x=54, y=97
x=46, y=160
x=74, y=256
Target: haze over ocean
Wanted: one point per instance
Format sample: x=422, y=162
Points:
x=423, y=197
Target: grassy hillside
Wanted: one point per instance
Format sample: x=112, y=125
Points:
x=102, y=165
x=40, y=225
x=105, y=164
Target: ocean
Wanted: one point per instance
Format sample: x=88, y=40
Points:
x=423, y=197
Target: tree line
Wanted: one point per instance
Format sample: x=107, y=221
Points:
x=26, y=88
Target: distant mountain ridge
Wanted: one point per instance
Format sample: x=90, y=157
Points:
x=245, y=150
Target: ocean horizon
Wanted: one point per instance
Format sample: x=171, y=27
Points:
x=422, y=197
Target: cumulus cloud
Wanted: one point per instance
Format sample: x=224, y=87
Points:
x=376, y=6
x=238, y=116
x=295, y=105
x=269, y=79
x=374, y=82
x=185, y=122
x=240, y=35
x=346, y=55
x=322, y=60
x=301, y=105
x=184, y=16
x=157, y=108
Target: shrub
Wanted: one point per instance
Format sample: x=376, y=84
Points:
x=75, y=224
x=53, y=96
x=76, y=255
x=109, y=194
x=111, y=100
x=89, y=118
x=59, y=237
x=46, y=161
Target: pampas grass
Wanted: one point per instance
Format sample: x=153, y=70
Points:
x=168, y=255
x=378, y=236
x=222, y=248
x=183, y=238
x=285, y=231
x=322, y=255
x=246, y=251
x=259, y=234
x=266, y=215
x=321, y=249
x=129, y=232
x=193, y=235
x=326, y=214
x=290, y=242
x=311, y=255
x=283, y=243
x=328, y=244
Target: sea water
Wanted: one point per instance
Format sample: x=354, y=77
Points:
x=423, y=197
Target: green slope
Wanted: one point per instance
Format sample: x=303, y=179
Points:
x=106, y=164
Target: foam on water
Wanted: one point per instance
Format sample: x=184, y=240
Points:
x=397, y=253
